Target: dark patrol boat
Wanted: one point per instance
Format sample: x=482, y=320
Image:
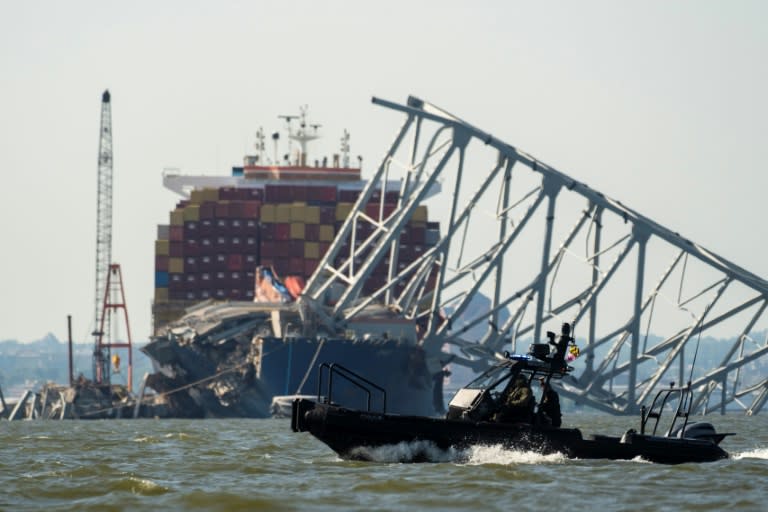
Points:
x=473, y=417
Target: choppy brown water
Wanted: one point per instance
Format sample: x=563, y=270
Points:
x=262, y=465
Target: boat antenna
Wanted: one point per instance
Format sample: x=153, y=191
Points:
x=693, y=364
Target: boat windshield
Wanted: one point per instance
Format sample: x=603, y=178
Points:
x=491, y=377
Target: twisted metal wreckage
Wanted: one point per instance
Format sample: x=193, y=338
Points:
x=544, y=248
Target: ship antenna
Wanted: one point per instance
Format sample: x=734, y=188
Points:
x=275, y=138
x=260, y=144
x=302, y=136
x=345, y=149
x=288, y=119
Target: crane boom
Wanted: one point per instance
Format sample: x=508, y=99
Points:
x=103, y=233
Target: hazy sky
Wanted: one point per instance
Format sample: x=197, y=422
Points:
x=660, y=104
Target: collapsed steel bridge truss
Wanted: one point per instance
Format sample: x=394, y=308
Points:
x=522, y=248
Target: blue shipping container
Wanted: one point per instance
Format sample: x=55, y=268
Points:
x=161, y=279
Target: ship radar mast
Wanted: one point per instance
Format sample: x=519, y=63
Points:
x=260, y=144
x=289, y=129
x=303, y=136
x=345, y=149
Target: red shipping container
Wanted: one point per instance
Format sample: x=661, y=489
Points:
x=268, y=249
x=322, y=194
x=256, y=193
x=312, y=232
x=227, y=193
x=235, y=262
x=282, y=249
x=222, y=209
x=418, y=235
x=372, y=210
x=281, y=267
x=252, y=209
x=296, y=266
x=309, y=267
x=208, y=210
x=298, y=193
x=391, y=196
x=295, y=248
x=277, y=194
x=179, y=249
x=327, y=214
x=161, y=263
x=235, y=209
x=348, y=196
x=176, y=233
x=267, y=231
x=282, y=231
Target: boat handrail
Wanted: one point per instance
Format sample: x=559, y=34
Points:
x=657, y=408
x=351, y=377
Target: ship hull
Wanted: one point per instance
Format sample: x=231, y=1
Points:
x=239, y=378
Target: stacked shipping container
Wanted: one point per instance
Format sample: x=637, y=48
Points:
x=217, y=238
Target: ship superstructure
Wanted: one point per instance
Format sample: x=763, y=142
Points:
x=234, y=257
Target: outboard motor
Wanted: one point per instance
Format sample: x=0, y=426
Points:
x=698, y=430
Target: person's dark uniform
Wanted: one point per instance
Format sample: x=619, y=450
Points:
x=518, y=404
x=549, y=409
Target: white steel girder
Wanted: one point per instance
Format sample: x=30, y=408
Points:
x=523, y=246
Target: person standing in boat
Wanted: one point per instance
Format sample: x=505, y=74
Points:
x=518, y=404
x=549, y=407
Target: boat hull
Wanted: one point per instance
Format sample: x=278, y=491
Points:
x=350, y=432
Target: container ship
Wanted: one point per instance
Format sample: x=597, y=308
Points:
x=228, y=333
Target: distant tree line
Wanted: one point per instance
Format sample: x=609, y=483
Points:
x=30, y=365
